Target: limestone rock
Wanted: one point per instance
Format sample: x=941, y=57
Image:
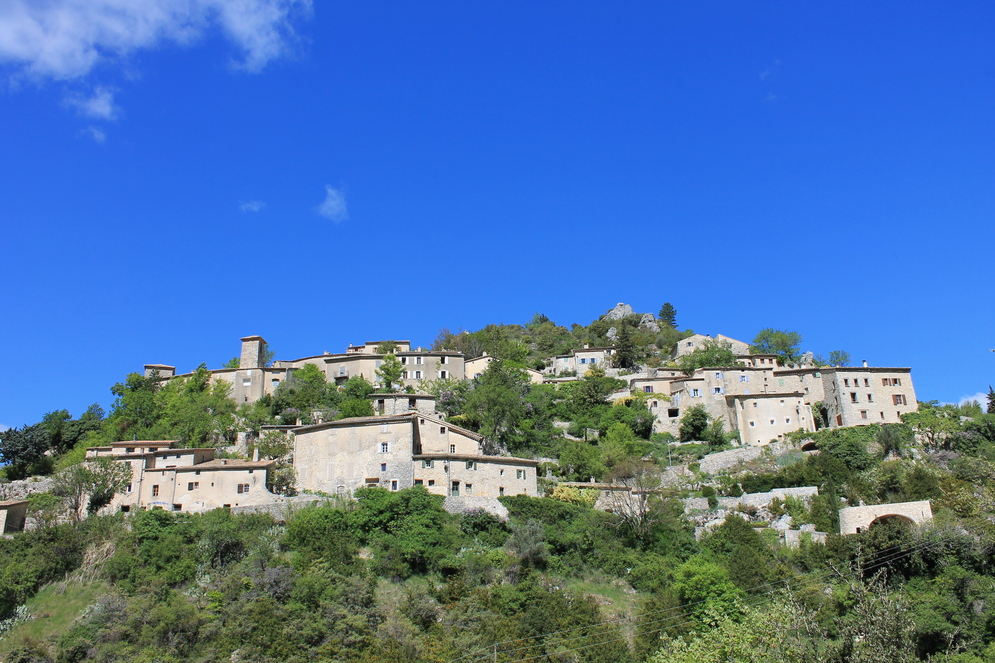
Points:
x=612, y=334
x=648, y=321
x=620, y=312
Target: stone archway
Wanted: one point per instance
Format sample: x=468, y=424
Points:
x=856, y=519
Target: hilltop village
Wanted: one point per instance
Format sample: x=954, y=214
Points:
x=395, y=502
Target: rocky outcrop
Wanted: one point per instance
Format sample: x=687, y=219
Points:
x=620, y=312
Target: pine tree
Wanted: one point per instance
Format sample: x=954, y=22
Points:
x=991, y=400
x=668, y=315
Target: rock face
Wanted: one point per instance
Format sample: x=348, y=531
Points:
x=619, y=312
x=612, y=334
x=648, y=321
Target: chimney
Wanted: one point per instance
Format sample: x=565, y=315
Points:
x=252, y=352
x=865, y=363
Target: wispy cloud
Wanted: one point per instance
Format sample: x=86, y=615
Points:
x=333, y=206
x=98, y=106
x=4, y=427
x=771, y=72
x=95, y=133
x=981, y=397
x=252, y=206
x=66, y=39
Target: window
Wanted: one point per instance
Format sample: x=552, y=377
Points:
x=341, y=370
x=898, y=399
x=404, y=361
x=404, y=375
x=155, y=491
x=882, y=415
x=752, y=424
x=452, y=448
x=129, y=488
x=863, y=414
x=384, y=447
x=442, y=430
x=690, y=344
x=455, y=491
x=177, y=507
x=594, y=360
x=583, y=360
x=426, y=463
x=853, y=397
x=771, y=422
x=787, y=420
x=744, y=378
x=695, y=393
x=716, y=390
x=275, y=382
x=501, y=472
x=469, y=488
x=500, y=491
x=378, y=362
x=246, y=382
x=197, y=472
x=418, y=375
x=718, y=376
x=418, y=482
x=673, y=412
x=867, y=382
x=519, y=474
x=393, y=484
x=130, y=450
x=870, y=398
x=846, y=382
x=412, y=403
x=243, y=488
x=443, y=360
x=419, y=360
x=431, y=482
x=470, y=466
x=648, y=390
x=383, y=467
x=754, y=404
x=193, y=485
x=443, y=374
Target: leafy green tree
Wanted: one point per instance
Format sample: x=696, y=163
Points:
x=711, y=353
x=92, y=484
x=704, y=588
x=935, y=427
x=234, y=362
x=25, y=445
x=497, y=403
x=579, y=461
x=386, y=348
x=839, y=358
x=784, y=344
x=668, y=315
x=389, y=374
x=355, y=407
x=893, y=440
x=694, y=424
x=633, y=413
x=136, y=409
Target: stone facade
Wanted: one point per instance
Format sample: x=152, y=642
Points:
x=184, y=479
x=856, y=519
x=855, y=396
x=13, y=513
x=579, y=361
x=401, y=451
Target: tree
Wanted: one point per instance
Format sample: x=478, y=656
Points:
x=91, y=484
x=694, y=424
x=711, y=353
x=839, y=358
x=625, y=355
x=497, y=402
x=386, y=348
x=784, y=344
x=991, y=400
x=234, y=362
x=668, y=315
x=893, y=439
x=390, y=373
x=25, y=445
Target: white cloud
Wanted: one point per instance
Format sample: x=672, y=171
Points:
x=333, y=206
x=100, y=106
x=4, y=427
x=981, y=397
x=97, y=135
x=66, y=39
x=252, y=206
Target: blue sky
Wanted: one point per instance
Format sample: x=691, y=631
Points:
x=176, y=175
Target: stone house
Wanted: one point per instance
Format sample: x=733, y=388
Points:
x=185, y=479
x=475, y=367
x=13, y=513
x=404, y=450
x=579, y=361
x=688, y=345
x=858, y=395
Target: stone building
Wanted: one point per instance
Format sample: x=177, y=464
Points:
x=859, y=395
x=185, y=479
x=404, y=450
x=252, y=379
x=579, y=361
x=13, y=513
x=475, y=367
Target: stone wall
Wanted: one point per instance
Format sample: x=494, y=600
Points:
x=854, y=519
x=19, y=490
